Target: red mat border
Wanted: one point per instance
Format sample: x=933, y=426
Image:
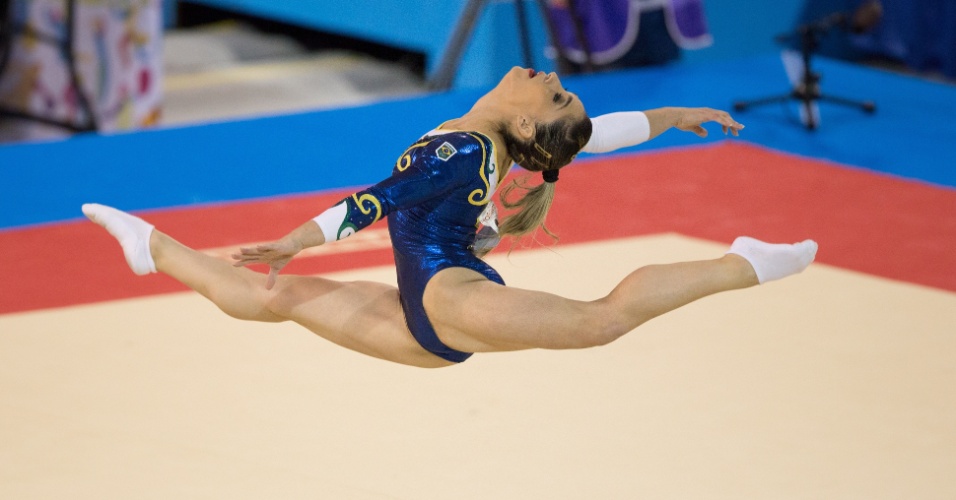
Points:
x=864, y=221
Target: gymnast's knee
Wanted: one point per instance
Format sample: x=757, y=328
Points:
x=603, y=326
x=281, y=302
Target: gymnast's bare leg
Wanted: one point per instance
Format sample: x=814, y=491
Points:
x=527, y=319
x=469, y=312
x=362, y=316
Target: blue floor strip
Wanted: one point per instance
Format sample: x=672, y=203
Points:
x=911, y=135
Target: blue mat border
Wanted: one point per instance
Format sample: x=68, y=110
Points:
x=910, y=136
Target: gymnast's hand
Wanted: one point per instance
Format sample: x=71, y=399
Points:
x=692, y=119
x=276, y=255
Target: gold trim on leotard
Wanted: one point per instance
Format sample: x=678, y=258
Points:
x=484, y=178
x=360, y=203
x=405, y=160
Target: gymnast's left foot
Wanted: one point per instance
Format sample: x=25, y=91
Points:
x=774, y=261
x=132, y=233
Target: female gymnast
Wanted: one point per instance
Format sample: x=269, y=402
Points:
x=449, y=303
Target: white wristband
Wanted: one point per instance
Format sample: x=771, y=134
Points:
x=331, y=221
x=618, y=130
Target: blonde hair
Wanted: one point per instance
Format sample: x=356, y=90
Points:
x=554, y=146
x=532, y=208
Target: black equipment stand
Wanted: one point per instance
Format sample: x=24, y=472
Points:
x=808, y=90
x=444, y=75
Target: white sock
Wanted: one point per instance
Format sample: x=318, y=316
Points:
x=774, y=261
x=132, y=232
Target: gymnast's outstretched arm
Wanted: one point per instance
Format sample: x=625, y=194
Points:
x=629, y=128
x=418, y=182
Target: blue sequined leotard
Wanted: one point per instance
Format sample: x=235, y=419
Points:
x=438, y=190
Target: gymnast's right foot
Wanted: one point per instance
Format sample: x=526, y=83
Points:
x=132, y=233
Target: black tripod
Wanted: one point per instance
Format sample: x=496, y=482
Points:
x=807, y=91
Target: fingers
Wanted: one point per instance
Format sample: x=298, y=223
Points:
x=731, y=130
x=723, y=118
x=693, y=119
x=733, y=126
x=261, y=254
x=274, y=267
x=727, y=123
x=248, y=256
x=270, y=254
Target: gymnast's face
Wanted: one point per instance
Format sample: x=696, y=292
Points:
x=538, y=96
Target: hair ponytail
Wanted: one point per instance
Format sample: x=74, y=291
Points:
x=532, y=208
x=554, y=146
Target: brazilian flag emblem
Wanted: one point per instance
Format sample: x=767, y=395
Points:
x=445, y=151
